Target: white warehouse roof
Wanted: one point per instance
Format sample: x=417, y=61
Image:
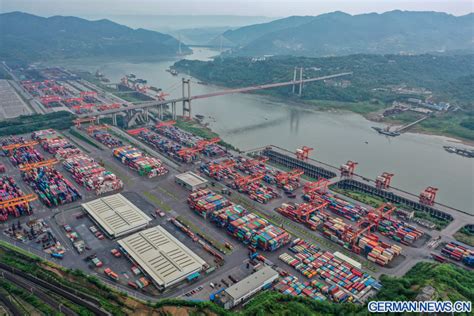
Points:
x=164, y=258
x=116, y=215
x=191, y=179
x=252, y=282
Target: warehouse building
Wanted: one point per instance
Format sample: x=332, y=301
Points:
x=160, y=255
x=243, y=290
x=191, y=181
x=116, y=215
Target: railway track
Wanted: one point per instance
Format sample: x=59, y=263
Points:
x=39, y=288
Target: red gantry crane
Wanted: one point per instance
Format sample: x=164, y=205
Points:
x=165, y=123
x=200, y=146
x=383, y=181
x=77, y=122
x=242, y=181
x=428, y=196
x=46, y=163
x=347, y=170
x=216, y=168
x=19, y=145
x=22, y=200
x=285, y=177
x=303, y=153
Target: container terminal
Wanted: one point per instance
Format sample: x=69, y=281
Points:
x=159, y=212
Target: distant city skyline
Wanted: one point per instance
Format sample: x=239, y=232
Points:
x=269, y=8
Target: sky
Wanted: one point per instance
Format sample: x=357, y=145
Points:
x=270, y=8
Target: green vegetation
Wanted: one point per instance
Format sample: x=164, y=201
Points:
x=201, y=131
x=153, y=198
x=28, y=123
x=465, y=235
x=339, y=33
x=375, y=201
x=85, y=139
x=451, y=283
x=4, y=74
x=26, y=37
x=371, y=88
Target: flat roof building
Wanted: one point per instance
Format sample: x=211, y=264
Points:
x=191, y=181
x=243, y=290
x=160, y=255
x=116, y=215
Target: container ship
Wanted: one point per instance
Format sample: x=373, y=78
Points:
x=460, y=151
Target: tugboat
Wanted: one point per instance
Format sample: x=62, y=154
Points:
x=174, y=72
x=386, y=131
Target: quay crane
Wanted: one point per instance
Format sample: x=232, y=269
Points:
x=303, y=153
x=383, y=181
x=347, y=170
x=428, y=196
x=216, y=168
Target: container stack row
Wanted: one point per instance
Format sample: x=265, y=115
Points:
x=10, y=190
x=51, y=186
x=206, y=201
x=51, y=141
x=138, y=161
x=342, y=281
x=399, y=231
x=161, y=143
x=290, y=285
x=104, y=137
x=88, y=173
x=247, y=227
x=379, y=252
x=223, y=217
x=458, y=252
x=261, y=193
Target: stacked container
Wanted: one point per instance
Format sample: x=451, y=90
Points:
x=50, y=186
x=88, y=173
x=51, y=141
x=161, y=143
x=206, y=201
x=376, y=251
x=270, y=238
x=10, y=190
x=136, y=160
x=246, y=227
x=226, y=215
x=399, y=231
x=458, y=252
x=261, y=193
x=104, y=137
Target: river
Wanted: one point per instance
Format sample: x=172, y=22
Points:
x=249, y=121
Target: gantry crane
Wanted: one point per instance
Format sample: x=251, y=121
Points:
x=303, y=152
x=11, y=147
x=88, y=94
x=46, y=100
x=242, y=181
x=285, y=177
x=22, y=200
x=215, y=168
x=93, y=128
x=320, y=186
x=251, y=163
x=383, y=181
x=46, y=163
x=137, y=131
x=165, y=123
x=200, y=146
x=428, y=196
x=347, y=169
x=78, y=121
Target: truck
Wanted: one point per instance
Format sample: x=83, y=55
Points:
x=111, y=274
x=57, y=255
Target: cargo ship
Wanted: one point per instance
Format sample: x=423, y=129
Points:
x=386, y=131
x=460, y=151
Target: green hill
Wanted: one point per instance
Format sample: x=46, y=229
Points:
x=32, y=38
x=339, y=33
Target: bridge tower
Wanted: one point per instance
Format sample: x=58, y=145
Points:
x=300, y=81
x=186, y=87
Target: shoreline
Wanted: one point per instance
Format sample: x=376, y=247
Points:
x=368, y=116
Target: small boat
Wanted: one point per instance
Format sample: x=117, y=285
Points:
x=386, y=131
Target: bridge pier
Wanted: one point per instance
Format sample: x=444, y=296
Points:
x=173, y=110
x=114, y=119
x=186, y=89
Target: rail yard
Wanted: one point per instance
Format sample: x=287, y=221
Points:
x=115, y=203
